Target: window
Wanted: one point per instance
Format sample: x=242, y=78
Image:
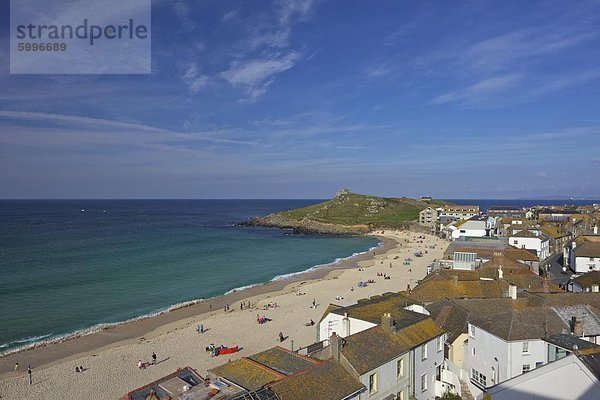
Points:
x=440, y=343
x=478, y=377
x=400, y=368
x=539, y=364
x=515, y=242
x=526, y=368
x=424, y=352
x=423, y=382
x=525, y=347
x=471, y=331
x=373, y=383
x=473, y=351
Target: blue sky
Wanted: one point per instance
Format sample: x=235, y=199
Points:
x=296, y=99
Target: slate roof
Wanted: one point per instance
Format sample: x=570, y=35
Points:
x=526, y=234
x=530, y=323
x=588, y=315
x=569, y=342
x=325, y=381
x=282, y=360
x=592, y=361
x=376, y=346
x=588, y=249
x=487, y=251
x=453, y=315
x=565, y=299
x=247, y=373
x=588, y=279
x=373, y=308
x=437, y=289
x=441, y=284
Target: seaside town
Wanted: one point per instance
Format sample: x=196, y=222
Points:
x=465, y=304
x=170, y=227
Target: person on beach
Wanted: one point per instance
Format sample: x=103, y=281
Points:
x=314, y=304
x=281, y=337
x=81, y=369
x=77, y=369
x=140, y=365
x=29, y=373
x=153, y=358
x=209, y=306
x=16, y=368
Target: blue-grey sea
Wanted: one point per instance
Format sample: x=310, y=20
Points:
x=68, y=266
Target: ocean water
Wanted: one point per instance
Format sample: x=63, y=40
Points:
x=74, y=265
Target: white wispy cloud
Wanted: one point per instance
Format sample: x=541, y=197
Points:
x=256, y=75
x=379, y=69
x=290, y=10
x=480, y=90
x=183, y=11
x=193, y=79
x=230, y=16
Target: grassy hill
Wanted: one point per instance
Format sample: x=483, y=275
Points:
x=349, y=213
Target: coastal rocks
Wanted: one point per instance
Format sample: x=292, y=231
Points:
x=306, y=225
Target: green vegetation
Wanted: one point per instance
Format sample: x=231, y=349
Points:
x=356, y=209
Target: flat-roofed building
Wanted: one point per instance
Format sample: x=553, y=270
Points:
x=459, y=211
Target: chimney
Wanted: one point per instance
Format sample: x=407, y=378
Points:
x=576, y=326
x=388, y=322
x=595, y=288
x=455, y=280
x=512, y=291
x=335, y=346
x=500, y=273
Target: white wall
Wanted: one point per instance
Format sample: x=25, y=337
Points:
x=510, y=356
x=335, y=323
x=563, y=379
x=388, y=381
x=583, y=264
x=541, y=246
x=434, y=359
x=460, y=231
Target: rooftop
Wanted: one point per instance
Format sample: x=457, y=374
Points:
x=570, y=342
x=325, y=381
x=282, y=360
x=373, y=308
x=588, y=279
x=588, y=249
x=246, y=373
x=376, y=346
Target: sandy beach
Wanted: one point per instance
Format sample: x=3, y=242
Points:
x=110, y=356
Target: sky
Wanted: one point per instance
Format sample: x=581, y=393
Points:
x=299, y=98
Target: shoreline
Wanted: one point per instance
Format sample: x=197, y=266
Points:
x=44, y=354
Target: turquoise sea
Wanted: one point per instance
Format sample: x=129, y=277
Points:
x=68, y=266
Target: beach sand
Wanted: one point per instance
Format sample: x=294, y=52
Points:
x=110, y=356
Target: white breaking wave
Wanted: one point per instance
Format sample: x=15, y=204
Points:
x=43, y=340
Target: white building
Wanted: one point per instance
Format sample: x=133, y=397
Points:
x=571, y=377
x=400, y=353
x=459, y=211
x=585, y=257
x=526, y=239
x=428, y=216
x=506, y=345
x=468, y=228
